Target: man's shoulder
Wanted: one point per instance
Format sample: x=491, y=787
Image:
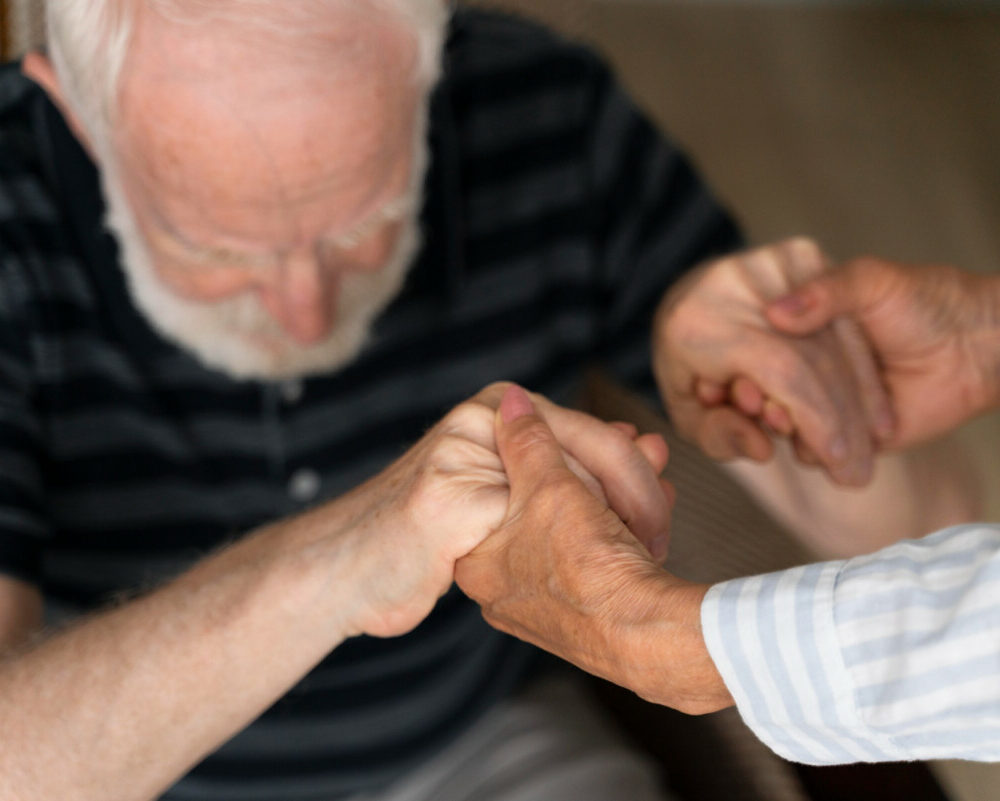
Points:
x=31, y=226
x=488, y=42
x=18, y=96
x=15, y=87
x=20, y=143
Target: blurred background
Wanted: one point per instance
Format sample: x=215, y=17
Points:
x=873, y=127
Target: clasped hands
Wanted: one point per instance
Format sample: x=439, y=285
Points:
x=557, y=524
x=845, y=362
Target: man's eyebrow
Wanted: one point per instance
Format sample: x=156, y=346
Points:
x=388, y=211
x=179, y=239
x=204, y=250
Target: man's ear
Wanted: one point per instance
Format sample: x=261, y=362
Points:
x=37, y=66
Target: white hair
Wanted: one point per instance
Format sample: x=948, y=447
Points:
x=88, y=40
x=89, y=43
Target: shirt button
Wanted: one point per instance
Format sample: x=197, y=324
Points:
x=292, y=391
x=304, y=485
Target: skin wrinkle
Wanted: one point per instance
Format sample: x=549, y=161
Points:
x=202, y=95
x=279, y=194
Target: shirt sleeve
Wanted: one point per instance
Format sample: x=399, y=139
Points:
x=888, y=657
x=654, y=218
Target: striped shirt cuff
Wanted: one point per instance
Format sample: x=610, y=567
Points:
x=774, y=640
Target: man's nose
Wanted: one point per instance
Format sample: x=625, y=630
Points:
x=303, y=297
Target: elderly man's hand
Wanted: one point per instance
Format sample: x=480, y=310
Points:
x=565, y=573
x=449, y=491
x=935, y=331
x=730, y=380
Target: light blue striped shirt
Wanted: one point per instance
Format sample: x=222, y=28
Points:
x=891, y=656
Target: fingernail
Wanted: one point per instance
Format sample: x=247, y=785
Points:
x=885, y=425
x=793, y=304
x=515, y=403
x=658, y=548
x=838, y=449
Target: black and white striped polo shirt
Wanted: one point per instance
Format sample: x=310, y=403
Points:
x=555, y=218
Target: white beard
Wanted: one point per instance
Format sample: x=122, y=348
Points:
x=229, y=335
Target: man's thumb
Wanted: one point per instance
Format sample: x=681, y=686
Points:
x=528, y=449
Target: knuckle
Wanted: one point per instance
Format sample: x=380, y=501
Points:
x=532, y=434
x=491, y=394
x=426, y=483
x=619, y=449
x=554, y=492
x=806, y=258
x=784, y=367
x=440, y=451
x=684, y=324
x=469, y=415
x=615, y=441
x=804, y=246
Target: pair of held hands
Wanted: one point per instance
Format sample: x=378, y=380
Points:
x=557, y=523
x=871, y=356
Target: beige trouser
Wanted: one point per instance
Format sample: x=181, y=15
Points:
x=547, y=744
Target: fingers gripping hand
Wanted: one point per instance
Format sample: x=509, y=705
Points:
x=562, y=570
x=614, y=462
x=934, y=330
x=730, y=380
x=450, y=491
x=627, y=468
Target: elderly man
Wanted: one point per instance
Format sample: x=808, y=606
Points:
x=210, y=417
x=890, y=656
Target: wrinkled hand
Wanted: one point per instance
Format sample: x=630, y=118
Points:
x=565, y=573
x=730, y=380
x=935, y=331
x=449, y=491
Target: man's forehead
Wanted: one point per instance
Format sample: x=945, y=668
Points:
x=187, y=35
x=224, y=128
x=206, y=113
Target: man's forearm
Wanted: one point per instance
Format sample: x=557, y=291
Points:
x=121, y=704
